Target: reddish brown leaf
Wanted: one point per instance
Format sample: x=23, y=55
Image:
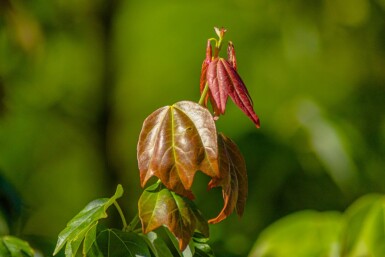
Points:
x=174, y=143
x=158, y=206
x=224, y=81
x=219, y=85
x=233, y=178
x=239, y=93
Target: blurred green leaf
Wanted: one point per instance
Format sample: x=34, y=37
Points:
x=364, y=233
x=11, y=246
x=302, y=234
x=113, y=242
x=83, y=225
x=10, y=206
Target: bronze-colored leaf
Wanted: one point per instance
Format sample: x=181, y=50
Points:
x=174, y=143
x=239, y=93
x=159, y=206
x=234, y=178
x=218, y=81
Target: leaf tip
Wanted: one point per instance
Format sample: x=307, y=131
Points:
x=119, y=190
x=258, y=124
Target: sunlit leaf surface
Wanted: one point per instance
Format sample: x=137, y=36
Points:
x=233, y=178
x=302, y=234
x=174, y=143
x=364, y=233
x=159, y=206
x=83, y=225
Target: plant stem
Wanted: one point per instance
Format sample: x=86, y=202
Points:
x=133, y=223
x=204, y=93
x=121, y=214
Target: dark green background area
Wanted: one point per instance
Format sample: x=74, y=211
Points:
x=77, y=79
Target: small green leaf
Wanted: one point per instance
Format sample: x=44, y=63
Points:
x=202, y=248
x=117, y=243
x=167, y=245
x=83, y=224
x=302, y=234
x=160, y=247
x=90, y=238
x=159, y=206
x=11, y=246
x=364, y=233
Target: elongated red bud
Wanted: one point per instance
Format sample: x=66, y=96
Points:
x=209, y=52
x=205, y=65
x=231, y=55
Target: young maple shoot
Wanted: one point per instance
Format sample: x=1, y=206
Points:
x=180, y=139
x=175, y=142
x=220, y=76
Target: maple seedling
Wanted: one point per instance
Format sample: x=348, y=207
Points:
x=175, y=142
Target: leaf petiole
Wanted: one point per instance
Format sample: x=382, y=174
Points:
x=121, y=214
x=204, y=93
x=133, y=223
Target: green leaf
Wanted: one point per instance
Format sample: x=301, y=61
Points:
x=202, y=248
x=83, y=225
x=159, y=206
x=165, y=244
x=174, y=143
x=11, y=246
x=302, y=234
x=160, y=247
x=90, y=239
x=116, y=243
x=364, y=233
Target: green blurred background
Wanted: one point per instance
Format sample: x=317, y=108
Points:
x=77, y=79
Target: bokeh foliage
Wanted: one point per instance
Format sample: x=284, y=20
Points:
x=77, y=79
